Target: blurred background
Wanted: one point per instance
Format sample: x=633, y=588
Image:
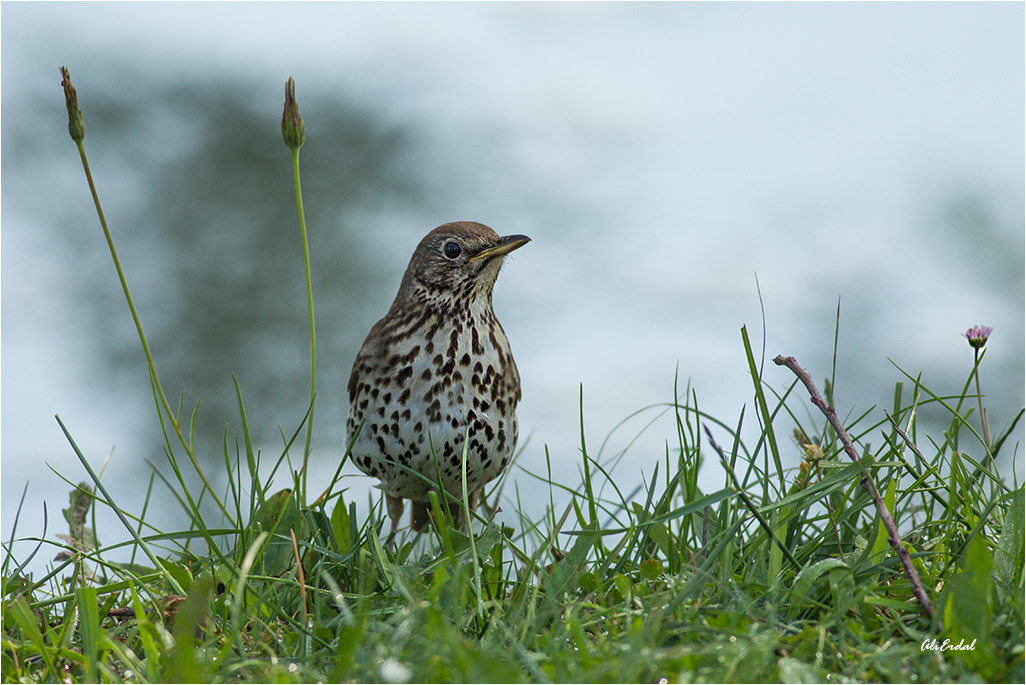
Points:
x=661, y=156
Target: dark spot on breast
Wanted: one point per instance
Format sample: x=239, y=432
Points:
x=498, y=347
x=404, y=375
x=435, y=325
x=476, y=341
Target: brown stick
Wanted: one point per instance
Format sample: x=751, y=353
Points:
x=908, y=441
x=867, y=482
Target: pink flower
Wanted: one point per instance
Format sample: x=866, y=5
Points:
x=977, y=336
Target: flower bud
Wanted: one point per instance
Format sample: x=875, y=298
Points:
x=76, y=124
x=292, y=128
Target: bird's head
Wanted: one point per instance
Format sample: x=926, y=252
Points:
x=461, y=260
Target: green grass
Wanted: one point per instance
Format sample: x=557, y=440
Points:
x=782, y=574
x=677, y=583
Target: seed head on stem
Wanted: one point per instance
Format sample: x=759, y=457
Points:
x=292, y=128
x=76, y=124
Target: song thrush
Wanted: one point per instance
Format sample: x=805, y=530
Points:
x=435, y=371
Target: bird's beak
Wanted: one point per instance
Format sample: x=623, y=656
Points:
x=505, y=245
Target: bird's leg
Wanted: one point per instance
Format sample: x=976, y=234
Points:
x=420, y=514
x=395, y=510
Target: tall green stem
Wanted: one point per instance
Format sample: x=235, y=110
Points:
x=979, y=399
x=294, y=132
x=310, y=308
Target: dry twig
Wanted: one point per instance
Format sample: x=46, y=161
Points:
x=867, y=481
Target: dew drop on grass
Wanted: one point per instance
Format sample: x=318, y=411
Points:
x=394, y=672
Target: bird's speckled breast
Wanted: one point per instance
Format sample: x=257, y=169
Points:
x=432, y=376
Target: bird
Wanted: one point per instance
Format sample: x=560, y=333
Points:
x=435, y=377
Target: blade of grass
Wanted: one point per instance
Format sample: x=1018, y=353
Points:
x=763, y=407
x=117, y=510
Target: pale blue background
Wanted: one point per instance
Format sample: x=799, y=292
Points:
x=660, y=156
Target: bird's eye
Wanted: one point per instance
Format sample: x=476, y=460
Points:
x=452, y=250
